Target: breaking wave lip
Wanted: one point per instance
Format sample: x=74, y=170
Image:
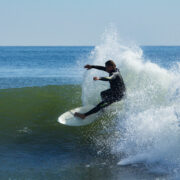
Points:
x=147, y=129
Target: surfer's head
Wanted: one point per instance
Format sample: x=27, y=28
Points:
x=110, y=65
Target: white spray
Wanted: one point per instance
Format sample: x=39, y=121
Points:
x=149, y=121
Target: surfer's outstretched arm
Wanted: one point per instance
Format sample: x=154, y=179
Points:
x=105, y=78
x=99, y=67
x=95, y=67
x=109, y=78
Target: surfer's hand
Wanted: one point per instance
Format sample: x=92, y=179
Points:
x=95, y=78
x=87, y=66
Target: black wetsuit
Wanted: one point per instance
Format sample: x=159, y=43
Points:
x=115, y=93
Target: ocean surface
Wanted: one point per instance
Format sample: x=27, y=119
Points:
x=139, y=140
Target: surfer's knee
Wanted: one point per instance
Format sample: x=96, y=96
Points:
x=103, y=94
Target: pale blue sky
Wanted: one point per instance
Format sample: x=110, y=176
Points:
x=82, y=22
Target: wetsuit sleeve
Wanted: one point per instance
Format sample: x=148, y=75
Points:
x=108, y=78
x=99, y=67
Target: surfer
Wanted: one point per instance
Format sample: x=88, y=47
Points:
x=109, y=96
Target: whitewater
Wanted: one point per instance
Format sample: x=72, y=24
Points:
x=146, y=125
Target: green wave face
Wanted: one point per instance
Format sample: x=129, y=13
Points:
x=36, y=106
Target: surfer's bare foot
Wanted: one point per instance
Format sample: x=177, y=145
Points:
x=82, y=116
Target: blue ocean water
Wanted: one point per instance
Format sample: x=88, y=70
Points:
x=37, y=84
x=39, y=66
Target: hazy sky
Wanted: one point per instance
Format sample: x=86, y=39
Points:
x=82, y=22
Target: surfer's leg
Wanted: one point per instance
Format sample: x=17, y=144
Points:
x=106, y=95
x=100, y=106
x=108, y=98
x=112, y=96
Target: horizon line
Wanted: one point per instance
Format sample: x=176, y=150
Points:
x=71, y=45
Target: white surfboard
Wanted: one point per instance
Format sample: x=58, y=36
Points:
x=69, y=119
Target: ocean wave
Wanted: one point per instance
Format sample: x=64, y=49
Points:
x=36, y=106
x=146, y=130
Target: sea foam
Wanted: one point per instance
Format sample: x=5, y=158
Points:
x=147, y=130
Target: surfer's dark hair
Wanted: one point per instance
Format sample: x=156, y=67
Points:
x=110, y=63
